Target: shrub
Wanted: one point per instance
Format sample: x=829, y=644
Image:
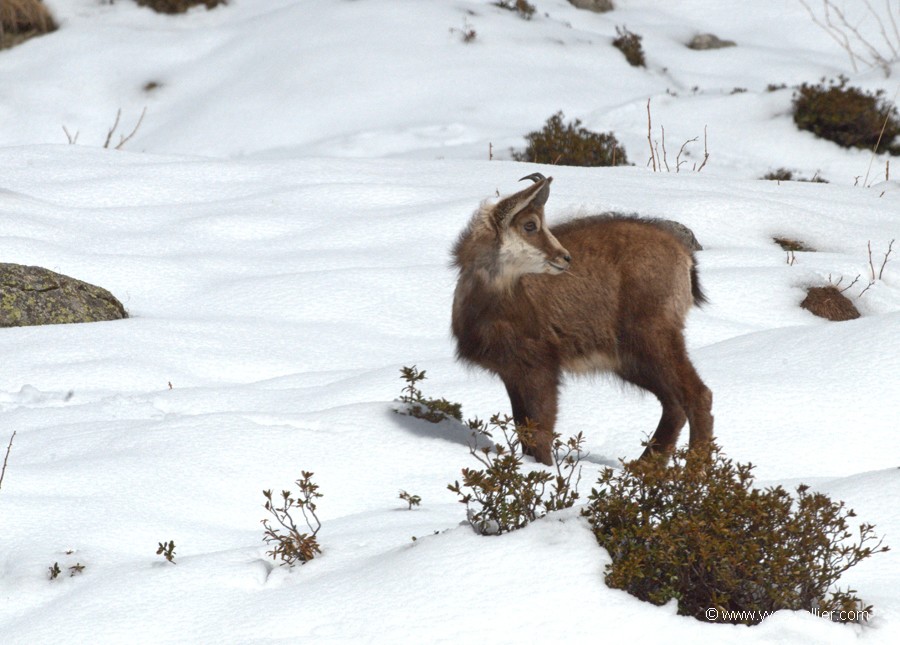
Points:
x=289, y=543
x=431, y=410
x=698, y=532
x=783, y=174
x=522, y=7
x=630, y=44
x=847, y=116
x=167, y=550
x=571, y=145
x=791, y=244
x=411, y=500
x=178, y=6
x=830, y=303
x=22, y=19
x=501, y=497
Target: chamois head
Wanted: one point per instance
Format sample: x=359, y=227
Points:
x=509, y=239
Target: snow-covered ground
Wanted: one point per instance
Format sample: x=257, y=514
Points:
x=279, y=230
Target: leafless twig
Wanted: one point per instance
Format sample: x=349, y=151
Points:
x=72, y=139
x=848, y=36
x=123, y=139
x=8, y=448
x=650, y=137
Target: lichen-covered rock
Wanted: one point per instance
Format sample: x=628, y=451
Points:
x=598, y=6
x=36, y=296
x=710, y=41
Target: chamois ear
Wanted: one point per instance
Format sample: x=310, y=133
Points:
x=535, y=196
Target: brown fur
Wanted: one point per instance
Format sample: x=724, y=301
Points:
x=611, y=295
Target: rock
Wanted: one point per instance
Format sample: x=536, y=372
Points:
x=709, y=41
x=36, y=296
x=597, y=6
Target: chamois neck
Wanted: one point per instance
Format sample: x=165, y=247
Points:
x=478, y=256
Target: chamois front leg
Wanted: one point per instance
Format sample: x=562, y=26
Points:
x=533, y=398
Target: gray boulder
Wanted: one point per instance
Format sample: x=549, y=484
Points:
x=598, y=6
x=709, y=41
x=36, y=296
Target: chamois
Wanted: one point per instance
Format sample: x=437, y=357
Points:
x=601, y=293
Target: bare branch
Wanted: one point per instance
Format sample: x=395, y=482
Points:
x=705, y=151
x=72, y=140
x=113, y=128
x=678, y=161
x=650, y=137
x=855, y=280
x=124, y=140
x=886, y=255
x=8, y=448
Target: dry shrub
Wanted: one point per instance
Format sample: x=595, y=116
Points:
x=830, y=303
x=630, y=44
x=847, y=116
x=22, y=19
x=571, y=145
x=784, y=174
x=178, y=6
x=790, y=244
x=698, y=532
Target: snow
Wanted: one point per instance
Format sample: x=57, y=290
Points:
x=279, y=230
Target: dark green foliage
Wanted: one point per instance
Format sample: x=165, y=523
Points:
x=23, y=19
x=697, y=531
x=790, y=244
x=630, y=44
x=847, y=116
x=784, y=174
x=502, y=498
x=178, y=6
x=289, y=543
x=571, y=145
x=432, y=410
x=411, y=500
x=167, y=550
x=522, y=7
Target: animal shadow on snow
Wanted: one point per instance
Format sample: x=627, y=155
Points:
x=454, y=431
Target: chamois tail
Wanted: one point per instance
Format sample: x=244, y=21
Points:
x=700, y=298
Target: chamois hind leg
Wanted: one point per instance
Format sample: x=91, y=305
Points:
x=534, y=402
x=697, y=403
x=671, y=376
x=649, y=366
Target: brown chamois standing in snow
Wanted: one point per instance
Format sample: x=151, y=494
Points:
x=603, y=293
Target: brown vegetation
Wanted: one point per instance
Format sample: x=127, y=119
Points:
x=23, y=19
x=178, y=6
x=830, y=303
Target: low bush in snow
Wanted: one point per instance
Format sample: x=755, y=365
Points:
x=571, y=145
x=501, y=497
x=784, y=174
x=522, y=7
x=847, y=116
x=630, y=44
x=417, y=405
x=289, y=544
x=22, y=19
x=830, y=303
x=698, y=532
x=178, y=6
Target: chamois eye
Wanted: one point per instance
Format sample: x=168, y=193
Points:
x=530, y=227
